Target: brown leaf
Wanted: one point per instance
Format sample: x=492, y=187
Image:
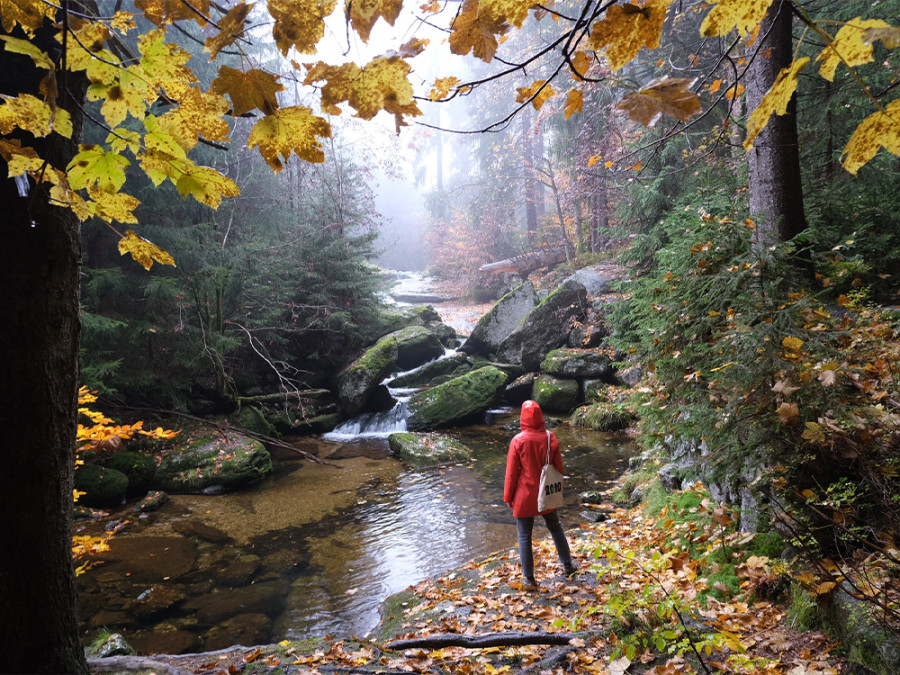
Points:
x=666, y=96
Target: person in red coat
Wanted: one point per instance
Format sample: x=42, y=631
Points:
x=527, y=456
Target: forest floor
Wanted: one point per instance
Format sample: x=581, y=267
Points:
x=648, y=599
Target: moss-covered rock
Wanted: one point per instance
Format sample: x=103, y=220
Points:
x=555, y=394
x=138, y=467
x=579, y=363
x=602, y=417
x=101, y=486
x=221, y=458
x=416, y=345
x=428, y=449
x=502, y=319
x=357, y=381
x=458, y=400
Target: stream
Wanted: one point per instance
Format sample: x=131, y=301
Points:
x=315, y=549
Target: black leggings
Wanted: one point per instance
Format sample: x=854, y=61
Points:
x=526, y=526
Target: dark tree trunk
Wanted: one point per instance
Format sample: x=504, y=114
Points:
x=38, y=386
x=531, y=195
x=776, y=192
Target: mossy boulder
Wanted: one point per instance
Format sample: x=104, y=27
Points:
x=358, y=380
x=455, y=365
x=521, y=389
x=458, y=400
x=428, y=449
x=602, y=417
x=545, y=328
x=101, y=486
x=416, y=345
x=138, y=467
x=556, y=395
x=222, y=458
x=578, y=363
x=503, y=318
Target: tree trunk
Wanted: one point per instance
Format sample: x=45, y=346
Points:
x=776, y=192
x=38, y=387
x=531, y=217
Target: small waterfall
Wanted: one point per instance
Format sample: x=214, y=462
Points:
x=371, y=425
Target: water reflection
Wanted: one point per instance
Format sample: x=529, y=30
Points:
x=291, y=558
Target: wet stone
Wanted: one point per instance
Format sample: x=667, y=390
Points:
x=106, y=617
x=264, y=598
x=237, y=573
x=194, y=528
x=244, y=629
x=149, y=559
x=165, y=642
x=155, y=600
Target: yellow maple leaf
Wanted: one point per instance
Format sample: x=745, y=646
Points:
x=727, y=15
x=364, y=13
x=381, y=84
x=248, y=90
x=33, y=115
x=19, y=160
x=198, y=113
x=123, y=21
x=160, y=165
x=287, y=130
x=538, y=93
x=849, y=46
x=878, y=130
x=120, y=140
x=144, y=252
x=509, y=11
x=441, y=87
x=162, y=12
x=792, y=344
x=94, y=166
x=776, y=100
x=87, y=47
x=574, y=102
x=666, y=96
x=205, y=184
x=299, y=23
x=128, y=93
x=788, y=413
x=581, y=63
x=112, y=206
x=231, y=27
x=29, y=14
x=476, y=33
x=625, y=29
x=19, y=46
x=164, y=63
x=813, y=433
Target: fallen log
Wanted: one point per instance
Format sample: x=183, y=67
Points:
x=126, y=664
x=511, y=639
x=527, y=262
x=283, y=396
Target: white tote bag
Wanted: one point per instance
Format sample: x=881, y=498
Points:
x=550, y=495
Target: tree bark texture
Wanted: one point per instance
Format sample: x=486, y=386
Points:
x=38, y=386
x=776, y=191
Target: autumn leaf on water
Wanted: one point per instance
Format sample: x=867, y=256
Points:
x=666, y=96
x=880, y=129
x=625, y=29
x=476, y=33
x=364, y=13
x=299, y=23
x=287, y=130
x=231, y=27
x=849, y=47
x=776, y=100
x=574, y=102
x=143, y=251
x=538, y=92
x=727, y=15
x=248, y=90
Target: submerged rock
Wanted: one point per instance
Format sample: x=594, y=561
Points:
x=428, y=449
x=457, y=400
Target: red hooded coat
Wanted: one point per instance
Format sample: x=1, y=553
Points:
x=527, y=456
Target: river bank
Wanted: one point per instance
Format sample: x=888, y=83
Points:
x=659, y=584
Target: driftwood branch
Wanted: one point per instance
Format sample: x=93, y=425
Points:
x=511, y=639
x=527, y=262
x=120, y=664
x=283, y=396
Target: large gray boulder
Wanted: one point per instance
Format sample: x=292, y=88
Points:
x=416, y=345
x=545, y=328
x=457, y=400
x=221, y=458
x=580, y=363
x=594, y=282
x=428, y=449
x=495, y=326
x=358, y=380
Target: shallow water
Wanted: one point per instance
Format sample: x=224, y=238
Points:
x=315, y=549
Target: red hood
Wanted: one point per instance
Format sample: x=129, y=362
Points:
x=532, y=417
